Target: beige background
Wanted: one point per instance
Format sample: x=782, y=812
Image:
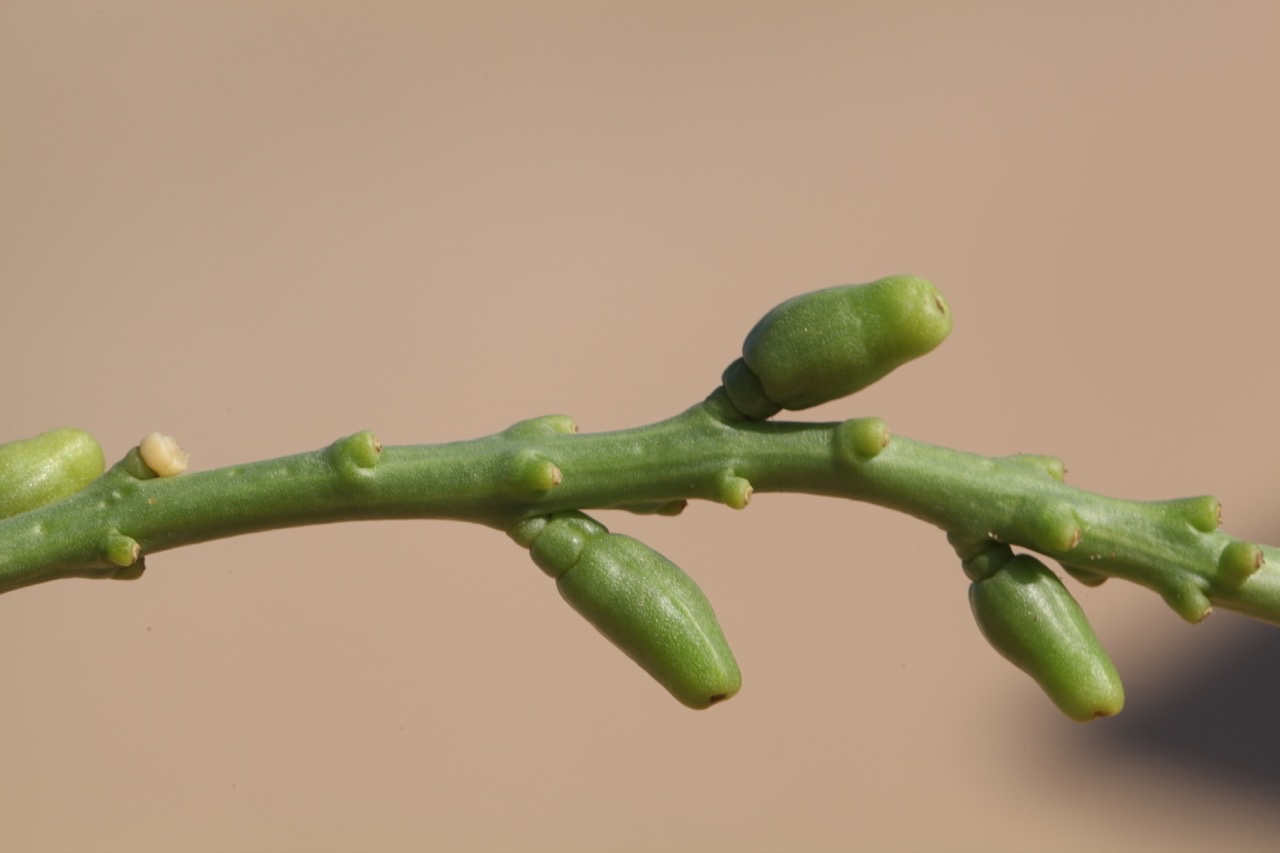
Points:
x=259, y=226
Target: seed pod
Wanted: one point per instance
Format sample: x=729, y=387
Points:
x=830, y=343
x=1030, y=618
x=644, y=604
x=46, y=468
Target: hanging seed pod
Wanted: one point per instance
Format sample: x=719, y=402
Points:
x=1030, y=618
x=46, y=468
x=644, y=604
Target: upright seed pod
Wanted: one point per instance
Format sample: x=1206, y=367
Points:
x=1030, y=618
x=828, y=344
x=46, y=468
x=644, y=604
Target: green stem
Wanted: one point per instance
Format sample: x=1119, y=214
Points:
x=709, y=452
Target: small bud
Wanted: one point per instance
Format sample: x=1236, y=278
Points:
x=1238, y=561
x=1204, y=513
x=356, y=454
x=121, y=550
x=860, y=439
x=1186, y=598
x=1053, y=528
x=733, y=491
x=531, y=473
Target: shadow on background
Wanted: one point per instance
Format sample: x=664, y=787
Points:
x=1218, y=717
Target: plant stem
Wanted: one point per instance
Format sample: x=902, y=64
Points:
x=709, y=452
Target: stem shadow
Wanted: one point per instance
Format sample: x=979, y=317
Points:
x=1219, y=718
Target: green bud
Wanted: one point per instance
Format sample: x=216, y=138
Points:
x=733, y=491
x=1186, y=594
x=1204, y=513
x=1238, y=561
x=1030, y=618
x=830, y=343
x=644, y=604
x=123, y=551
x=861, y=439
x=353, y=456
x=529, y=473
x=46, y=468
x=1051, y=527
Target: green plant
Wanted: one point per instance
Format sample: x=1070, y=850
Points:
x=535, y=479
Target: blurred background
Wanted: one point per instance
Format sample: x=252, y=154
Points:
x=260, y=226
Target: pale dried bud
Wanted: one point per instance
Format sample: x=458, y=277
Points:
x=162, y=455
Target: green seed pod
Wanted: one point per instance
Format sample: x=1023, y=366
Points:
x=46, y=468
x=830, y=343
x=646, y=606
x=1030, y=618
